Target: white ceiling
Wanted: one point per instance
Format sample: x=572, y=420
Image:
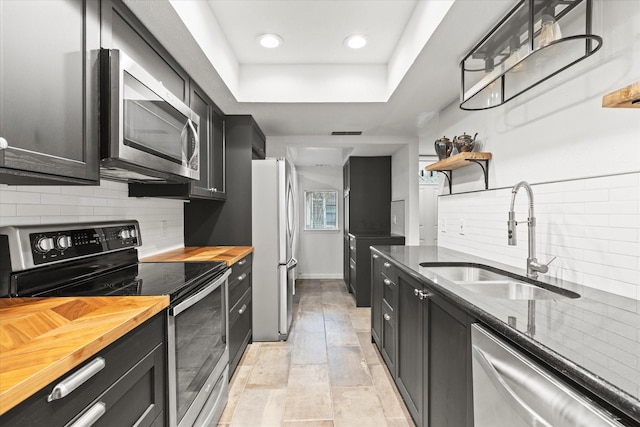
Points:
x=313, y=30
x=313, y=85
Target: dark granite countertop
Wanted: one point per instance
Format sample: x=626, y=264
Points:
x=593, y=339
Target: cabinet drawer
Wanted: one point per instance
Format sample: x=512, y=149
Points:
x=239, y=267
x=389, y=270
x=239, y=329
x=388, y=350
x=119, y=358
x=389, y=291
x=137, y=397
x=238, y=287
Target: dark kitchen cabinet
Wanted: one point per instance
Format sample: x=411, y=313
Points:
x=432, y=364
x=258, y=144
x=129, y=390
x=240, y=311
x=367, y=209
x=214, y=223
x=368, y=195
x=211, y=184
x=49, y=92
x=450, y=398
x=412, y=315
x=121, y=29
x=360, y=264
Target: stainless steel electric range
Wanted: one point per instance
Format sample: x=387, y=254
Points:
x=101, y=259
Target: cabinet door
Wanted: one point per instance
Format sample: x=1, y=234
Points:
x=218, y=164
x=49, y=89
x=411, y=336
x=377, y=283
x=202, y=106
x=451, y=402
x=389, y=337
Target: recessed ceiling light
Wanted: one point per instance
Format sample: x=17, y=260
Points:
x=355, y=41
x=269, y=41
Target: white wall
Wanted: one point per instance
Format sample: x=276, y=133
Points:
x=554, y=133
x=21, y=205
x=320, y=252
x=404, y=186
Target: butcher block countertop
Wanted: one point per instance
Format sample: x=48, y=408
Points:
x=43, y=338
x=230, y=254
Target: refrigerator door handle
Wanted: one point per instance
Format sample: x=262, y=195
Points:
x=292, y=263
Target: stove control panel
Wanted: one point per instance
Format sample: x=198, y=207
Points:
x=51, y=246
x=30, y=246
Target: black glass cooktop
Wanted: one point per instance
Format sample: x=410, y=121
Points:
x=175, y=279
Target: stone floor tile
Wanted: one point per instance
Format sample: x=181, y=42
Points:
x=312, y=423
x=260, y=408
x=271, y=369
x=369, y=349
x=236, y=387
x=386, y=392
x=347, y=367
x=309, y=321
x=357, y=406
x=308, y=393
x=361, y=318
x=309, y=349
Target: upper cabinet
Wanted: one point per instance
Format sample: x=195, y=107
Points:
x=120, y=29
x=258, y=144
x=49, y=87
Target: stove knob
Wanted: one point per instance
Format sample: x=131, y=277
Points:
x=44, y=244
x=64, y=242
x=124, y=234
x=134, y=233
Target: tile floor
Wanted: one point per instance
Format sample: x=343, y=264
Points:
x=327, y=374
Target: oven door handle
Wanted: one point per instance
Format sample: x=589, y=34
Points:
x=174, y=311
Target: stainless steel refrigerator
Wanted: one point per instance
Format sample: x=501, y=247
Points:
x=273, y=228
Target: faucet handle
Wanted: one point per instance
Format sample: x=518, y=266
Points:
x=540, y=267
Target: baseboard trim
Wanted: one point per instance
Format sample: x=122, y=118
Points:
x=319, y=276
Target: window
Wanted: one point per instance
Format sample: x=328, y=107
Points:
x=320, y=210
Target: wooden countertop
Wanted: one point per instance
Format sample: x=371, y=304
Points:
x=230, y=254
x=42, y=338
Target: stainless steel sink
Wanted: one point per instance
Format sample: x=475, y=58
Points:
x=496, y=285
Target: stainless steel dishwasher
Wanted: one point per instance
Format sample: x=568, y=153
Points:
x=510, y=390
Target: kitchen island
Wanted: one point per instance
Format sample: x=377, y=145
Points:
x=593, y=341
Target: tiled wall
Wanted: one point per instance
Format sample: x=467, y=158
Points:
x=161, y=220
x=591, y=225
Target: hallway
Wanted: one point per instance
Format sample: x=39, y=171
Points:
x=327, y=374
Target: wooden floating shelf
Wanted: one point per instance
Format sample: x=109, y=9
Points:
x=627, y=97
x=458, y=161
x=461, y=160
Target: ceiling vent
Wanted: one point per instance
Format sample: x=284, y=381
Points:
x=346, y=132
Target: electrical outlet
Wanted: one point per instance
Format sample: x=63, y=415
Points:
x=461, y=229
x=163, y=228
x=395, y=219
x=443, y=225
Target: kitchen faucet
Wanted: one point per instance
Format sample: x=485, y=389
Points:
x=533, y=266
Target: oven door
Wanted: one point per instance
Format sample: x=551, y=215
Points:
x=150, y=130
x=198, y=355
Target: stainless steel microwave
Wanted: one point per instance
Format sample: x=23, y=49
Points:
x=147, y=133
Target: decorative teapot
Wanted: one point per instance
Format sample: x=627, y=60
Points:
x=444, y=147
x=464, y=142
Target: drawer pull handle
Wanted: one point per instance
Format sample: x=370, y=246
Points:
x=352, y=248
x=242, y=309
x=387, y=282
x=242, y=262
x=375, y=256
x=387, y=317
x=242, y=277
x=387, y=265
x=72, y=382
x=92, y=415
x=352, y=267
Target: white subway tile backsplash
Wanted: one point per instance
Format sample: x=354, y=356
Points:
x=591, y=225
x=23, y=205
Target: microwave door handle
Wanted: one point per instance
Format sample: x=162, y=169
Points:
x=196, y=151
